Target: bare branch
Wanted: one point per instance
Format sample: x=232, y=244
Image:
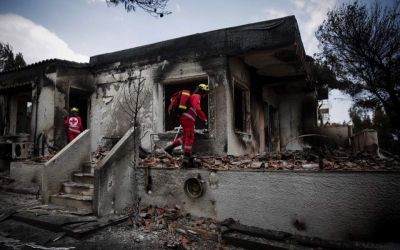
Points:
x=155, y=8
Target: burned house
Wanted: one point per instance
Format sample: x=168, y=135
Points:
x=34, y=101
x=259, y=94
x=259, y=97
x=259, y=100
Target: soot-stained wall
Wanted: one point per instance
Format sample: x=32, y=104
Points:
x=329, y=205
x=296, y=117
x=210, y=55
x=110, y=119
x=67, y=78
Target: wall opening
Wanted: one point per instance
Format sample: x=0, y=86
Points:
x=169, y=90
x=240, y=100
x=80, y=99
x=274, y=129
x=271, y=128
x=24, y=114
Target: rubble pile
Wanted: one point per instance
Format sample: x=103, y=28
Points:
x=99, y=154
x=173, y=227
x=40, y=158
x=307, y=159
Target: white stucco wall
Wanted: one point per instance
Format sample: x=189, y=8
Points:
x=330, y=205
x=46, y=113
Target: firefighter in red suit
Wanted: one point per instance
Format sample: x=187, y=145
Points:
x=74, y=124
x=187, y=120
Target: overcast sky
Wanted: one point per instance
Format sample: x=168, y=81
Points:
x=77, y=29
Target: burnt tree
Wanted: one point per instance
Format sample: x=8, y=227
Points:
x=153, y=7
x=361, y=44
x=7, y=59
x=133, y=100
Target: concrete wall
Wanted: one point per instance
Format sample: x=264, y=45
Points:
x=112, y=178
x=367, y=137
x=4, y=165
x=341, y=134
x=27, y=175
x=64, y=163
x=329, y=205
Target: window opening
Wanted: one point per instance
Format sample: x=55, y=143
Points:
x=24, y=114
x=239, y=100
x=274, y=128
x=169, y=90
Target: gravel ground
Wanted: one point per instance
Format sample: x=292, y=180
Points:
x=18, y=235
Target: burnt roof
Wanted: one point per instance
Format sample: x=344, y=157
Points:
x=54, y=60
x=229, y=41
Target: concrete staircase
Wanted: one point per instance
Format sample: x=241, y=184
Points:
x=77, y=192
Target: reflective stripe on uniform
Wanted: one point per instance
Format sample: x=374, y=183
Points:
x=185, y=93
x=74, y=130
x=191, y=117
x=187, y=147
x=180, y=140
x=192, y=109
x=182, y=107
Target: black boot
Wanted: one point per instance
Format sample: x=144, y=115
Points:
x=186, y=160
x=169, y=149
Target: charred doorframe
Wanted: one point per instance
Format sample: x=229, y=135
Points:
x=241, y=105
x=169, y=87
x=80, y=99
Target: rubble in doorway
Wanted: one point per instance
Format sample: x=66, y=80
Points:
x=306, y=159
x=174, y=228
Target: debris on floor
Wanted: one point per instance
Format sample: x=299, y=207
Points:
x=40, y=158
x=307, y=159
x=174, y=227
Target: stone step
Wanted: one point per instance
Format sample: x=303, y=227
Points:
x=88, y=167
x=78, y=188
x=80, y=177
x=72, y=200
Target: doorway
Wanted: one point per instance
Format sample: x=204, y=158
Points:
x=80, y=99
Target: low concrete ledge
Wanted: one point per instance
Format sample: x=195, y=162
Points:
x=27, y=174
x=332, y=205
x=112, y=178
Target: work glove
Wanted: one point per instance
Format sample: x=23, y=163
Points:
x=206, y=123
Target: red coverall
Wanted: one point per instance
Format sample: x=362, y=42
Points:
x=74, y=127
x=187, y=121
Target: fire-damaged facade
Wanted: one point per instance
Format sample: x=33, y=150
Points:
x=34, y=101
x=260, y=101
x=259, y=95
